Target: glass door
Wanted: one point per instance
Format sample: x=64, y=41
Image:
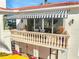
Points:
x=48, y=25
x=30, y=24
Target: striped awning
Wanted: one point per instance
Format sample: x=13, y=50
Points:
x=51, y=14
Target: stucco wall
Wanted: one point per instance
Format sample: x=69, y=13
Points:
x=73, y=41
x=5, y=44
x=4, y=37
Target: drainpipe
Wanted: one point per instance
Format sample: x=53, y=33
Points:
x=57, y=54
x=50, y=54
x=53, y=53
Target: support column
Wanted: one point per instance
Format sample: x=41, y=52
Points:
x=52, y=25
x=17, y=47
x=25, y=21
x=34, y=24
x=43, y=25
x=57, y=54
x=50, y=53
x=36, y=53
x=18, y=25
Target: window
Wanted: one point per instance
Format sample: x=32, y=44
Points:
x=57, y=23
x=48, y=25
x=9, y=23
x=38, y=23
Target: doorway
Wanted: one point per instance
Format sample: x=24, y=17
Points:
x=48, y=25
x=30, y=24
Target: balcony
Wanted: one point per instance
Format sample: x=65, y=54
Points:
x=55, y=41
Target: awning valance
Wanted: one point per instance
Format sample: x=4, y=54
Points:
x=52, y=14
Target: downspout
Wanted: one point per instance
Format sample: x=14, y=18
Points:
x=50, y=53
x=57, y=54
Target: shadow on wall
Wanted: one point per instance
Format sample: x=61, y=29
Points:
x=4, y=46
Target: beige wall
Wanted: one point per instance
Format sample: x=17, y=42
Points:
x=4, y=37
x=73, y=31
x=37, y=51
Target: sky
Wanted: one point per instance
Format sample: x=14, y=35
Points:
x=23, y=3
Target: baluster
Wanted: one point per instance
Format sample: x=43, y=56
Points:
x=44, y=39
x=32, y=37
x=41, y=39
x=23, y=37
x=58, y=41
x=37, y=38
x=47, y=39
x=55, y=41
x=19, y=35
x=14, y=35
x=63, y=41
x=51, y=40
x=66, y=41
x=27, y=37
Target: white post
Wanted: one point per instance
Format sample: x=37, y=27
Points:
x=18, y=25
x=52, y=25
x=34, y=24
x=25, y=21
x=43, y=24
x=36, y=53
x=17, y=46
